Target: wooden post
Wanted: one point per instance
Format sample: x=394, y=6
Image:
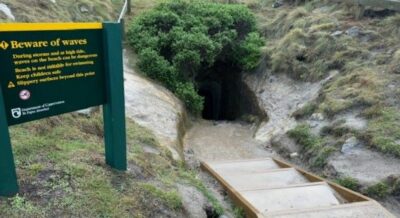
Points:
x=129, y=7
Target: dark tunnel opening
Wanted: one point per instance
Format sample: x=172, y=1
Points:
x=223, y=93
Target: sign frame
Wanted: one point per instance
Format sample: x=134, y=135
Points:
x=113, y=109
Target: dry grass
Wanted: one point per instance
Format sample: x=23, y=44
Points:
x=300, y=44
x=65, y=10
x=62, y=173
x=358, y=89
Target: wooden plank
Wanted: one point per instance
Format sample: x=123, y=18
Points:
x=244, y=167
x=349, y=195
x=295, y=197
x=273, y=178
x=353, y=210
x=250, y=210
x=286, y=200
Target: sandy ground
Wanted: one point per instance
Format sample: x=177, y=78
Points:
x=212, y=140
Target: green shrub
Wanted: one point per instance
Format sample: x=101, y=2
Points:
x=179, y=42
x=379, y=190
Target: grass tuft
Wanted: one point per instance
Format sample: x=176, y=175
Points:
x=379, y=190
x=313, y=146
x=349, y=183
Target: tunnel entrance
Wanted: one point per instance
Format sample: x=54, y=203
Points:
x=225, y=95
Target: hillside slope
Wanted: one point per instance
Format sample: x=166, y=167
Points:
x=61, y=11
x=349, y=131
x=60, y=160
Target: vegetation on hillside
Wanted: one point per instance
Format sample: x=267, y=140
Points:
x=308, y=41
x=315, y=149
x=63, y=11
x=180, y=41
x=62, y=173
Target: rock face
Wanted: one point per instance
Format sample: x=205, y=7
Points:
x=280, y=96
x=155, y=108
x=7, y=11
x=363, y=164
x=350, y=145
x=194, y=201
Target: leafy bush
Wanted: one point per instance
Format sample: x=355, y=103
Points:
x=379, y=190
x=180, y=41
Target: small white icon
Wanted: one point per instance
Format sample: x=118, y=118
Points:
x=24, y=95
x=16, y=113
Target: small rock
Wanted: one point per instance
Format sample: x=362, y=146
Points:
x=294, y=155
x=313, y=124
x=353, y=31
x=151, y=150
x=324, y=9
x=54, y=1
x=87, y=112
x=350, y=144
x=7, y=11
x=277, y=4
x=83, y=8
x=193, y=201
x=337, y=33
x=285, y=145
x=317, y=117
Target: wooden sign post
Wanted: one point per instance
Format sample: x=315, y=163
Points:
x=54, y=68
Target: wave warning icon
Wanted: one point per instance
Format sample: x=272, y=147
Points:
x=4, y=45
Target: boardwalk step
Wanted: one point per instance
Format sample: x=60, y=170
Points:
x=273, y=188
x=265, y=180
x=244, y=167
x=297, y=197
x=353, y=210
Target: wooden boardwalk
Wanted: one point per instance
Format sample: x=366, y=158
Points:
x=273, y=188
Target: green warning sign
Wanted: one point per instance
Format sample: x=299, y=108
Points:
x=53, y=68
x=46, y=73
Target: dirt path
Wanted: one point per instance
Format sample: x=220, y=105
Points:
x=211, y=140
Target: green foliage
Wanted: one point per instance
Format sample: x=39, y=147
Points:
x=302, y=134
x=171, y=198
x=321, y=156
x=238, y=212
x=313, y=146
x=337, y=129
x=383, y=131
x=306, y=110
x=379, y=190
x=62, y=158
x=349, y=183
x=359, y=88
x=180, y=41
